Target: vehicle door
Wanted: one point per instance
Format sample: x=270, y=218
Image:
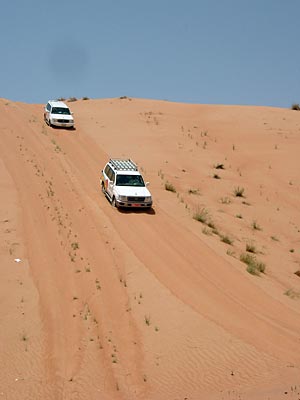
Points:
x=47, y=112
x=109, y=182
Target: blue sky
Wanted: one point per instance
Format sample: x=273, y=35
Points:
x=243, y=52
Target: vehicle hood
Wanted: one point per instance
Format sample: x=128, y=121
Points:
x=62, y=116
x=132, y=191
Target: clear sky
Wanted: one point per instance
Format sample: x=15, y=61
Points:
x=195, y=51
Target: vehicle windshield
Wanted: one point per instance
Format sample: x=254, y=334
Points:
x=130, y=180
x=61, y=110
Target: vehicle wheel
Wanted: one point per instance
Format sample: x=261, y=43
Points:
x=114, y=203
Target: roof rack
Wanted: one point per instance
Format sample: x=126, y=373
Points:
x=123, y=164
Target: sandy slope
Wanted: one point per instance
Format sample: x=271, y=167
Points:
x=106, y=304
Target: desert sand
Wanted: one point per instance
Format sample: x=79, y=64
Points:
x=100, y=303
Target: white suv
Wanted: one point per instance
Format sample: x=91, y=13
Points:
x=57, y=113
x=124, y=186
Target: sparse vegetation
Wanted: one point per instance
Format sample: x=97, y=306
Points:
x=147, y=319
x=216, y=176
x=230, y=252
x=201, y=215
x=75, y=246
x=255, y=226
x=219, y=166
x=225, y=200
x=275, y=238
x=72, y=99
x=239, y=216
x=254, y=267
x=239, y=191
x=170, y=187
x=193, y=191
x=226, y=239
x=293, y=294
x=211, y=224
x=295, y=106
x=161, y=174
x=24, y=337
x=246, y=203
x=251, y=248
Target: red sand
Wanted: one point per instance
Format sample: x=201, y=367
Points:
x=106, y=304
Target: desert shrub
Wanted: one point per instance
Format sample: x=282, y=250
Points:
x=261, y=267
x=239, y=191
x=275, y=238
x=226, y=239
x=206, y=231
x=211, y=224
x=85, y=98
x=170, y=187
x=219, y=166
x=216, y=176
x=201, y=214
x=254, y=267
x=225, y=200
x=250, y=248
x=292, y=293
x=72, y=99
x=295, y=106
x=193, y=191
x=255, y=226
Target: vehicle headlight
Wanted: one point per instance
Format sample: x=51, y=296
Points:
x=122, y=198
x=71, y=121
x=148, y=198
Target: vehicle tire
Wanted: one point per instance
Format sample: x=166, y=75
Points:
x=102, y=187
x=114, y=203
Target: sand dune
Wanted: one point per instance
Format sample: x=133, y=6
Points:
x=98, y=303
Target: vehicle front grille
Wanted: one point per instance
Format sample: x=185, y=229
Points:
x=137, y=199
x=63, y=121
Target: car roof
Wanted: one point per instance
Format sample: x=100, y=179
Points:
x=57, y=103
x=127, y=172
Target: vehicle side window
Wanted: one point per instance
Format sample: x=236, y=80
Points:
x=113, y=176
x=106, y=170
x=48, y=107
x=110, y=173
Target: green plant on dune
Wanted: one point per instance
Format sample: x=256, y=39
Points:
x=254, y=267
